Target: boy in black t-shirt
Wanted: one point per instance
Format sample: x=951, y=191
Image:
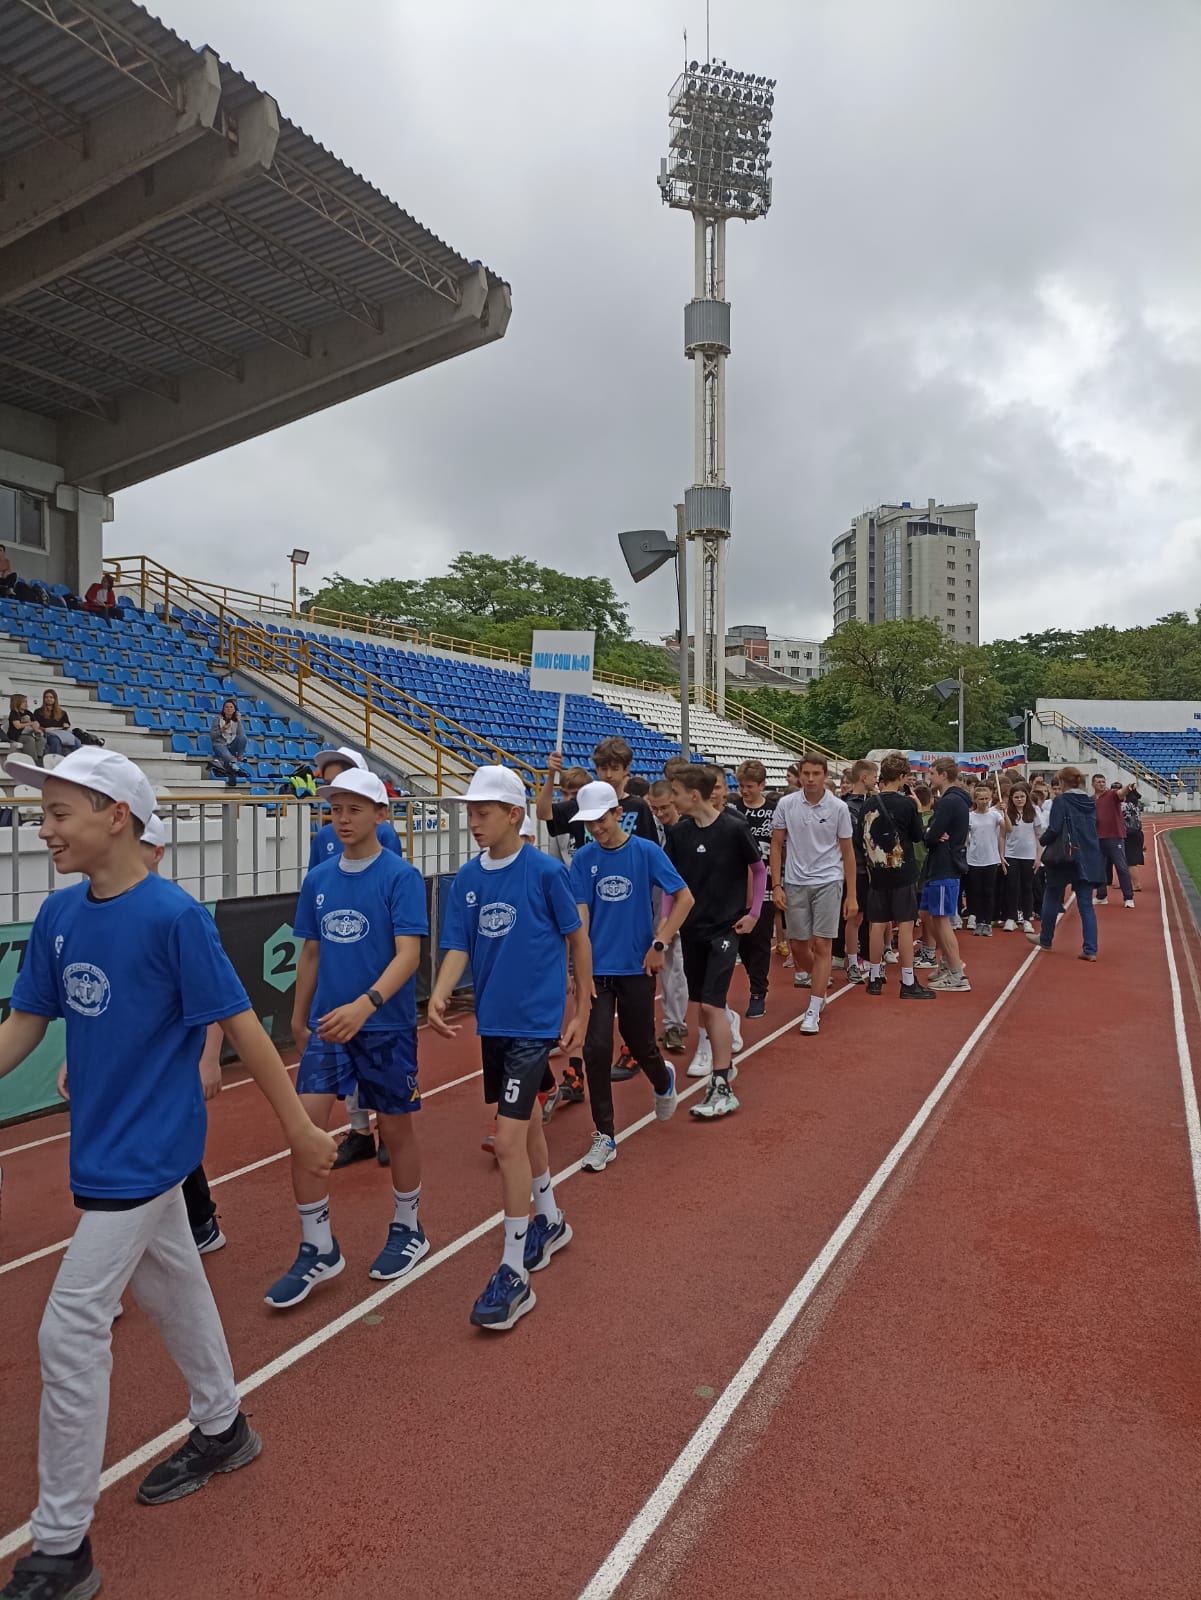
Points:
x=712, y=850
x=754, y=948
x=891, y=827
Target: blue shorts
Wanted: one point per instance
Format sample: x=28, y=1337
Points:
x=381, y=1066
x=940, y=897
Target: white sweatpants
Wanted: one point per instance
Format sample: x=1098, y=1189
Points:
x=359, y=1119
x=152, y=1248
x=673, y=986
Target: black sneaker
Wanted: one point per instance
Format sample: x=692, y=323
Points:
x=874, y=986
x=623, y=1069
x=39, y=1577
x=354, y=1147
x=757, y=1007
x=572, y=1086
x=916, y=991
x=382, y=1158
x=196, y=1461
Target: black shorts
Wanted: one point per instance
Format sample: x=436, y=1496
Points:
x=892, y=905
x=516, y=1072
x=708, y=966
x=1134, y=850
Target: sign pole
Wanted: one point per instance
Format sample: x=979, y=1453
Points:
x=562, y=718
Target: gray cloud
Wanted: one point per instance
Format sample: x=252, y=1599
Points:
x=979, y=280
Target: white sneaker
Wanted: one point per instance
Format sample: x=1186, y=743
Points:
x=1129, y=904
x=736, y=1030
x=811, y=1022
x=601, y=1151
x=702, y=1061
x=1010, y=926
x=802, y=980
x=1027, y=925
x=891, y=958
x=971, y=922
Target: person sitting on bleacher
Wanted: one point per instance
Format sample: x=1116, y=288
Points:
x=229, y=743
x=23, y=730
x=8, y=578
x=56, y=725
x=101, y=601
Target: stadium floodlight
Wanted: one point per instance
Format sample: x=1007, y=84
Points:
x=645, y=551
x=298, y=558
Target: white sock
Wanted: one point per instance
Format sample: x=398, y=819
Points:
x=516, y=1229
x=815, y=1007
x=314, y=1223
x=406, y=1207
x=702, y=1038
x=731, y=1017
x=877, y=969
x=907, y=977
x=544, y=1198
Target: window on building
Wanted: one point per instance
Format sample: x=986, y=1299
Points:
x=794, y=655
x=950, y=611
x=950, y=583
x=950, y=566
x=22, y=519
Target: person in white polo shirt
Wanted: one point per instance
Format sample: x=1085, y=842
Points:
x=816, y=827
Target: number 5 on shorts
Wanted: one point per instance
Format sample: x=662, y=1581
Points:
x=512, y=1090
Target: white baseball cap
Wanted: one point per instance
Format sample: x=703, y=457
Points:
x=155, y=831
x=356, y=781
x=106, y=771
x=494, y=783
x=595, y=800
x=528, y=829
x=342, y=753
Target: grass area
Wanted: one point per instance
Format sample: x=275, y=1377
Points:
x=1188, y=842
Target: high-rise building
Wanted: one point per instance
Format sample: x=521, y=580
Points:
x=897, y=561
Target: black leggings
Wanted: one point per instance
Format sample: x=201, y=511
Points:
x=982, y=892
x=755, y=949
x=633, y=1000
x=1019, y=890
x=201, y=1208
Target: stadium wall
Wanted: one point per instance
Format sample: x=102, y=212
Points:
x=1128, y=716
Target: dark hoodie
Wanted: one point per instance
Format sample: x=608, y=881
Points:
x=948, y=858
x=1079, y=812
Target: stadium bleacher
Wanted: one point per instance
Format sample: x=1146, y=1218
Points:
x=1174, y=756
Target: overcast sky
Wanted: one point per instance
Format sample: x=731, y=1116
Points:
x=980, y=280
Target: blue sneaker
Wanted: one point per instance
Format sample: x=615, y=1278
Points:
x=506, y=1299
x=404, y=1249
x=665, y=1104
x=306, y=1271
x=543, y=1239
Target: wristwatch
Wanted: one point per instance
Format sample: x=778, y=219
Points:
x=659, y=945
x=375, y=997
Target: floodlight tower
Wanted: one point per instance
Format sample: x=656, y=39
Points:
x=717, y=168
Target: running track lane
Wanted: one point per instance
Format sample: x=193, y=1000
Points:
x=997, y=1393
x=680, y=1259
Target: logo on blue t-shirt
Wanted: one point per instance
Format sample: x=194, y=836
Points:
x=344, y=927
x=87, y=989
x=614, y=889
x=497, y=919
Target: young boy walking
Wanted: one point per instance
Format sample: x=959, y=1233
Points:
x=510, y=915
x=134, y=967
x=712, y=851
x=754, y=948
x=672, y=984
x=354, y=1018
x=946, y=845
x=613, y=880
x=891, y=827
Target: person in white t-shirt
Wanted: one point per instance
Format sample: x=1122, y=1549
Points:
x=1021, y=859
x=985, y=860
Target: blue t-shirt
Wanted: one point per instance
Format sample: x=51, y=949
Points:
x=326, y=845
x=616, y=887
x=358, y=917
x=137, y=980
x=512, y=921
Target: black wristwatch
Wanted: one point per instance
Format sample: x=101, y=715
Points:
x=659, y=945
x=375, y=997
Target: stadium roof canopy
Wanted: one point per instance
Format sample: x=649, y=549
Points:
x=180, y=267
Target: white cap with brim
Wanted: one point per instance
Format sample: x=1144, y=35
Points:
x=528, y=829
x=356, y=781
x=344, y=753
x=500, y=784
x=155, y=832
x=595, y=800
x=106, y=771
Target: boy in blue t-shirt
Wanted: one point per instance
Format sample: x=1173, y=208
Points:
x=358, y=1144
x=510, y=914
x=613, y=879
x=134, y=967
x=354, y=1018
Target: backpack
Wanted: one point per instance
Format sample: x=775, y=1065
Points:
x=883, y=847
x=1132, y=816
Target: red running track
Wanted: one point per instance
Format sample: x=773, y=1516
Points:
x=993, y=1391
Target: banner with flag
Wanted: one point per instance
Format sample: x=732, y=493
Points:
x=981, y=762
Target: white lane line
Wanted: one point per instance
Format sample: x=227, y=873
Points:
x=227, y=1177
x=1192, y=1118
x=617, y=1565
x=19, y=1537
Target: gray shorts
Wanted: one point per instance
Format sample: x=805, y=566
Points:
x=814, y=910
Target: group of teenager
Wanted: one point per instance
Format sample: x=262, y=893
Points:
x=46, y=730
x=562, y=947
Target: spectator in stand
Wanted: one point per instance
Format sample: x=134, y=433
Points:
x=1071, y=855
x=56, y=725
x=24, y=731
x=100, y=599
x=8, y=578
x=229, y=742
x=1111, y=835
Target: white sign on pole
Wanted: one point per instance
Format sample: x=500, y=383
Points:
x=561, y=663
